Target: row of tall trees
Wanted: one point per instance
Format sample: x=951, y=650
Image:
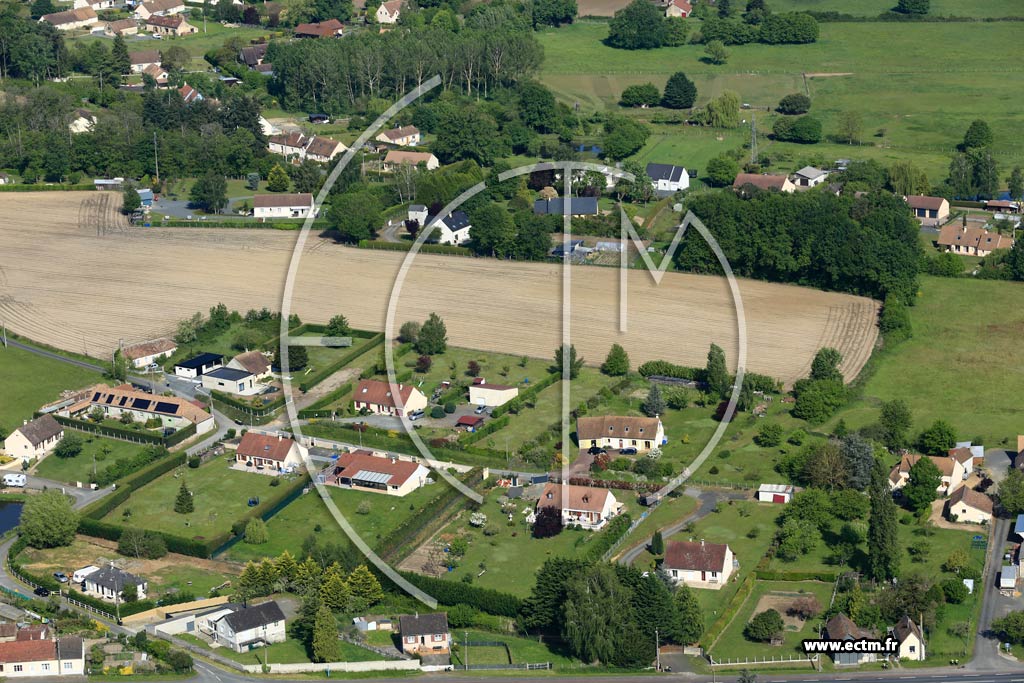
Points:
x=865, y=245
x=371, y=69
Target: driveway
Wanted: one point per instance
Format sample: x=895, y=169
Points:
x=998, y=462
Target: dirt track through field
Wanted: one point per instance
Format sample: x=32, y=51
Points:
x=82, y=282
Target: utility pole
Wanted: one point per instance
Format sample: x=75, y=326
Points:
x=657, y=651
x=466, y=648
x=156, y=153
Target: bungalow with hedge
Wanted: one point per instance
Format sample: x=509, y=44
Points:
x=376, y=397
x=269, y=452
x=618, y=432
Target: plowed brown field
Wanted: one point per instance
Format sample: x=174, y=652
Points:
x=72, y=275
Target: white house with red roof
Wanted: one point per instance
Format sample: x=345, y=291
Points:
x=377, y=472
x=584, y=506
x=46, y=657
x=377, y=397
x=699, y=564
x=269, y=451
x=388, y=12
x=679, y=9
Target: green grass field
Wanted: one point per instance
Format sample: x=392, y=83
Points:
x=869, y=8
x=31, y=380
x=308, y=515
x=733, y=644
x=939, y=372
x=220, y=495
x=921, y=107
x=105, y=451
x=511, y=557
x=290, y=651
x=522, y=650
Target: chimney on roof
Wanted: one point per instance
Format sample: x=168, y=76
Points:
x=702, y=543
x=279, y=437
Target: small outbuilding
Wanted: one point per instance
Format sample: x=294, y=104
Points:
x=775, y=493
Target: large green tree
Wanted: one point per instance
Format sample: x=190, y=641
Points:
x=48, y=520
x=691, y=617
x=637, y=26
x=680, y=92
x=598, y=611
x=616, y=363
x=1011, y=491
x=325, y=644
x=938, y=438
x=716, y=375
x=921, y=488
x=566, y=360
x=978, y=134
x=210, y=192
x=433, y=336
x=355, y=216
x=895, y=421
x=883, y=533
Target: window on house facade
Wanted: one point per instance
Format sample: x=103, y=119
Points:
x=18, y=667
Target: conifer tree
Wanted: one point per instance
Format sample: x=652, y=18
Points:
x=183, y=503
x=326, y=647
x=364, y=588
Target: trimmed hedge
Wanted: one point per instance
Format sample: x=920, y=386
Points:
x=611, y=534
x=341, y=362
x=47, y=188
x=432, y=512
x=396, y=441
x=113, y=432
x=458, y=593
x=774, y=575
x=318, y=409
x=407, y=246
x=489, y=428
x=227, y=399
x=712, y=634
x=666, y=369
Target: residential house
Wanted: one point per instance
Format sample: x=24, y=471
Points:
x=363, y=470
x=930, y=211
x=972, y=241
x=265, y=69
x=38, y=658
x=699, y=564
x=173, y=412
x=252, y=55
x=668, y=179
x=121, y=27
x=270, y=451
x=140, y=60
x=809, y=176
x=584, y=506
x=579, y=207
x=170, y=26
x=775, y=493
x=376, y=397
x=323, y=149
x=141, y=355
x=190, y=94
x=951, y=469
x=762, y=181
x=108, y=583
x=969, y=455
x=679, y=9
x=283, y=205
x=910, y=639
x=231, y=381
x=253, y=361
x=612, y=431
x=332, y=28
x=159, y=8
x=71, y=19
x=396, y=158
x=452, y=229
x=250, y=627
x=425, y=633
x=197, y=365
x=491, y=395
x=267, y=128
x=968, y=505
x=8, y=631
x=34, y=439
x=83, y=122
x=388, y=12
x=406, y=136
x=288, y=144
x=157, y=73
x=33, y=632
x=841, y=628
x=95, y=4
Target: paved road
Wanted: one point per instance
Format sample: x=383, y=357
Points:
x=55, y=356
x=998, y=462
x=994, y=605
x=708, y=501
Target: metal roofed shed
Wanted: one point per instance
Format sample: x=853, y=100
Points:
x=1008, y=577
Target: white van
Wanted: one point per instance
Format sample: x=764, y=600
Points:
x=14, y=480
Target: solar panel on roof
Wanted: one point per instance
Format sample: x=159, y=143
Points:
x=124, y=399
x=110, y=399
x=96, y=396
x=141, y=404
x=166, y=407
x=372, y=477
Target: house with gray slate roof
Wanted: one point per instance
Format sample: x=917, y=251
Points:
x=34, y=439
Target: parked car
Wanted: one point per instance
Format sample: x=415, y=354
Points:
x=416, y=414
x=61, y=576
x=42, y=592
x=627, y=451
x=596, y=450
x=480, y=409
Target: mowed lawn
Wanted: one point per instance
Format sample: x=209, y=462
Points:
x=870, y=8
x=912, y=106
x=965, y=363
x=309, y=515
x=733, y=644
x=97, y=451
x=220, y=495
x=30, y=380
